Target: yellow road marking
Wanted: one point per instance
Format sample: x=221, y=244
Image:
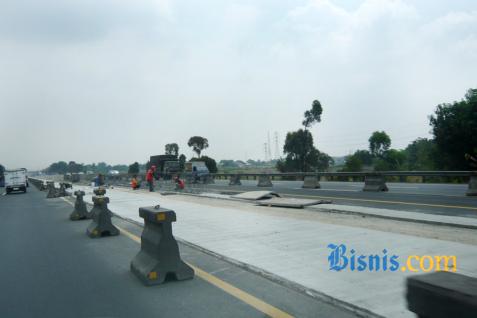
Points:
x=247, y=298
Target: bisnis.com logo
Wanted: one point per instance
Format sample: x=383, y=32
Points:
x=341, y=259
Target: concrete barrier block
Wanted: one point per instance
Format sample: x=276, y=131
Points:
x=101, y=224
x=472, y=190
x=80, y=211
x=264, y=181
x=235, y=180
x=311, y=182
x=159, y=256
x=442, y=294
x=375, y=183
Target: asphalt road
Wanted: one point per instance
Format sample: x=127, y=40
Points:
x=51, y=268
x=445, y=199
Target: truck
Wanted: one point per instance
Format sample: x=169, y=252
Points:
x=196, y=171
x=167, y=166
x=16, y=180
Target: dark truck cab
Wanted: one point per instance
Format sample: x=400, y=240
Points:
x=167, y=166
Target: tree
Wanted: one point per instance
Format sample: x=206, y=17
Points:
x=60, y=167
x=182, y=160
x=379, y=143
x=314, y=115
x=301, y=155
x=454, y=127
x=134, y=168
x=198, y=144
x=421, y=154
x=172, y=149
x=74, y=167
x=353, y=164
x=391, y=160
x=209, y=162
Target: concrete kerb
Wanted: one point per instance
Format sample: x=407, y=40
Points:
x=395, y=218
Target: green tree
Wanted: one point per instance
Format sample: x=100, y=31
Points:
x=172, y=149
x=182, y=160
x=60, y=167
x=313, y=115
x=209, y=162
x=353, y=163
x=134, y=168
x=391, y=160
x=379, y=143
x=421, y=154
x=454, y=127
x=198, y=144
x=74, y=167
x=301, y=155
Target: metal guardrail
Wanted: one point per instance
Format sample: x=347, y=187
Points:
x=354, y=174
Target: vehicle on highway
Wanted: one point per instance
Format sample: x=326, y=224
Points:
x=196, y=171
x=167, y=166
x=16, y=180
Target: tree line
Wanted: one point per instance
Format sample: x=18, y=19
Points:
x=453, y=146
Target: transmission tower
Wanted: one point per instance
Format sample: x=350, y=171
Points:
x=277, y=151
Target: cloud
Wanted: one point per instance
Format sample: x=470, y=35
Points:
x=116, y=80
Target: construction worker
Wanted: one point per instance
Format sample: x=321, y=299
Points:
x=150, y=178
x=134, y=183
x=180, y=185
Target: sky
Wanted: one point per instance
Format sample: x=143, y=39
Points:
x=115, y=80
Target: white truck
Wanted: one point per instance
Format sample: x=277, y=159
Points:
x=16, y=180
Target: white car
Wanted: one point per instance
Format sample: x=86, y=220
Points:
x=16, y=180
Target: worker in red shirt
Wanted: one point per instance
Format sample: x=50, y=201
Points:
x=180, y=185
x=150, y=178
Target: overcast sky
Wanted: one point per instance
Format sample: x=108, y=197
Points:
x=114, y=81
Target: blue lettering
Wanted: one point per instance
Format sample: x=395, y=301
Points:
x=337, y=260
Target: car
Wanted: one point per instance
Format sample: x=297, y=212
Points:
x=16, y=180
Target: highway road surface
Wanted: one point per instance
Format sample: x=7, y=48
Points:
x=446, y=199
x=51, y=268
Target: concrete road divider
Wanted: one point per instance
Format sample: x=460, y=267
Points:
x=374, y=182
x=311, y=182
x=472, y=191
x=234, y=180
x=264, y=181
x=52, y=191
x=442, y=294
x=159, y=256
x=101, y=224
x=80, y=211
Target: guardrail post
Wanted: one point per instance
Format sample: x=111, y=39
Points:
x=442, y=294
x=264, y=181
x=159, y=255
x=472, y=190
x=311, y=182
x=374, y=182
x=235, y=180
